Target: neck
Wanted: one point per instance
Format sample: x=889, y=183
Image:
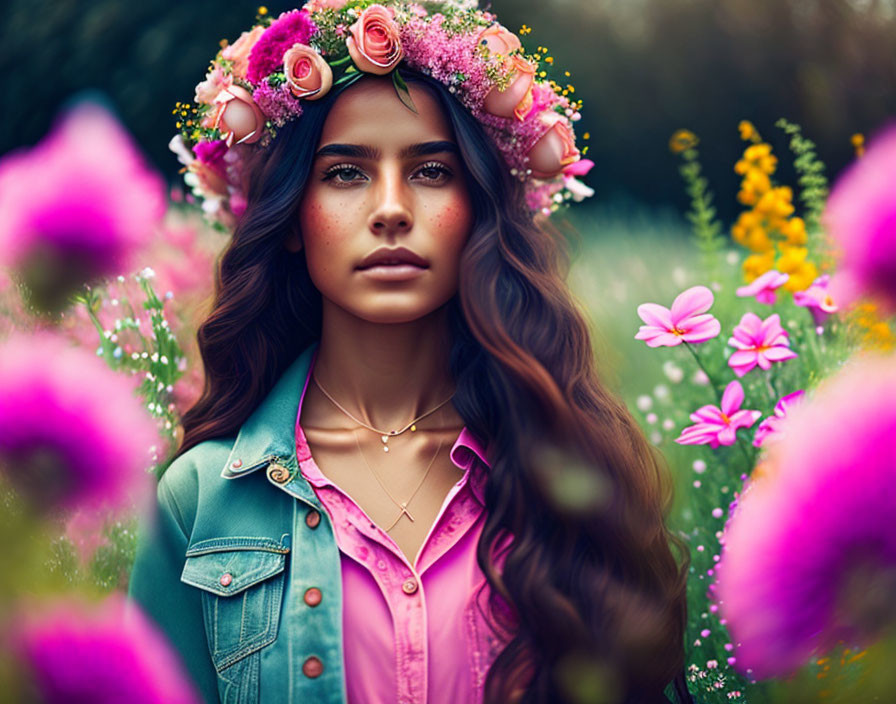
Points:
x=385, y=374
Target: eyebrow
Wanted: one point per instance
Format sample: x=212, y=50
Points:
x=364, y=151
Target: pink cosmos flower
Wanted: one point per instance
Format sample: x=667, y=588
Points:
x=764, y=287
x=771, y=426
x=861, y=217
x=759, y=342
x=104, y=654
x=74, y=434
x=817, y=299
x=810, y=552
x=716, y=426
x=77, y=206
x=686, y=321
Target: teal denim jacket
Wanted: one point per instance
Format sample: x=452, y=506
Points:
x=219, y=567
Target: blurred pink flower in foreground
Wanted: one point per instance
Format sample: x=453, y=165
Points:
x=104, y=653
x=77, y=205
x=861, y=217
x=771, y=426
x=74, y=434
x=682, y=323
x=764, y=287
x=810, y=552
x=759, y=342
x=716, y=426
x=817, y=299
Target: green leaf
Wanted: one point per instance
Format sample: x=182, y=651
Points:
x=401, y=88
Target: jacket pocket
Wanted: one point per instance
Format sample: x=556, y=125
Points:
x=242, y=583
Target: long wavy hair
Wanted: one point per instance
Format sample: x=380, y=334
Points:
x=593, y=583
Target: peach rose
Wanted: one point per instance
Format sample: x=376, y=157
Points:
x=555, y=150
x=237, y=116
x=373, y=41
x=499, y=40
x=215, y=81
x=307, y=74
x=318, y=5
x=238, y=52
x=516, y=99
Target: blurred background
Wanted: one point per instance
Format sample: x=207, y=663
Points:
x=643, y=68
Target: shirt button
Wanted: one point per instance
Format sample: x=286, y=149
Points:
x=313, y=596
x=226, y=579
x=312, y=667
x=410, y=586
x=278, y=473
x=381, y=564
x=312, y=519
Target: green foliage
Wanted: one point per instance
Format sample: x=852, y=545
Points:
x=811, y=170
x=705, y=225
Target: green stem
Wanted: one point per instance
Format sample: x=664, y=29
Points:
x=712, y=383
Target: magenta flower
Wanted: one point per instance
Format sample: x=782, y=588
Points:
x=104, y=654
x=861, y=217
x=293, y=27
x=686, y=321
x=764, y=287
x=74, y=434
x=759, y=342
x=77, y=206
x=716, y=426
x=771, y=426
x=817, y=299
x=810, y=552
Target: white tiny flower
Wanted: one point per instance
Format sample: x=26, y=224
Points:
x=668, y=424
x=661, y=391
x=163, y=359
x=673, y=372
x=148, y=273
x=699, y=466
x=700, y=378
x=651, y=418
x=732, y=258
x=578, y=189
x=715, y=286
x=644, y=403
x=656, y=438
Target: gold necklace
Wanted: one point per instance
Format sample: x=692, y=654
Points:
x=384, y=435
x=403, y=505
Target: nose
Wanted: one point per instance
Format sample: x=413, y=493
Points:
x=392, y=210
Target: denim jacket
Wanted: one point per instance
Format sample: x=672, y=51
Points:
x=219, y=569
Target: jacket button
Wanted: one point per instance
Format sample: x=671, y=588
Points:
x=226, y=579
x=237, y=464
x=312, y=667
x=313, y=596
x=278, y=473
x=312, y=519
x=410, y=586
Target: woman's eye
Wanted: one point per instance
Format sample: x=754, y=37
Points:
x=435, y=172
x=342, y=174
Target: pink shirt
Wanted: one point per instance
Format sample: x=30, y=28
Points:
x=412, y=634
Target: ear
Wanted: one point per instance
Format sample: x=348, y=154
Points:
x=293, y=241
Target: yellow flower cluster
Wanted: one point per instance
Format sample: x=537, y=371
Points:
x=874, y=332
x=769, y=228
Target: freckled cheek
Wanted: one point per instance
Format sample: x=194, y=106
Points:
x=455, y=217
x=325, y=227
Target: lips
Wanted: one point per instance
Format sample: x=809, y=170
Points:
x=393, y=257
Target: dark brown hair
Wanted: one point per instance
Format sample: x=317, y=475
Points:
x=591, y=576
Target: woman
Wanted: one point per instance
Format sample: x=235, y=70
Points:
x=404, y=480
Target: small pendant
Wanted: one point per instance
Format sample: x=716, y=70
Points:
x=385, y=448
x=413, y=428
x=385, y=438
x=404, y=504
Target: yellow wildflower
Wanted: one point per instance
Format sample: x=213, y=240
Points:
x=776, y=203
x=756, y=265
x=682, y=140
x=794, y=231
x=748, y=132
x=858, y=143
x=750, y=232
x=793, y=262
x=757, y=156
x=262, y=10
x=755, y=183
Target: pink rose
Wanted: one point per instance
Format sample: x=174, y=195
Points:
x=237, y=116
x=499, y=40
x=516, y=99
x=373, y=41
x=238, y=52
x=555, y=150
x=211, y=87
x=307, y=74
x=318, y=5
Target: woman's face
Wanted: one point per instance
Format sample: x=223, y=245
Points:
x=385, y=182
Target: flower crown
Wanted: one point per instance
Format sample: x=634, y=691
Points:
x=261, y=81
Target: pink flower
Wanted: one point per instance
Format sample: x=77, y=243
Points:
x=239, y=51
x=516, y=99
x=215, y=81
x=716, y=426
x=307, y=74
x=810, y=552
x=74, y=433
x=579, y=168
x=78, y=206
x=817, y=299
x=770, y=428
x=267, y=52
x=104, y=654
x=759, y=342
x=764, y=287
x=861, y=217
x=237, y=116
x=499, y=40
x=374, y=42
x=556, y=148
x=687, y=321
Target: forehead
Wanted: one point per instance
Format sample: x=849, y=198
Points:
x=370, y=112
